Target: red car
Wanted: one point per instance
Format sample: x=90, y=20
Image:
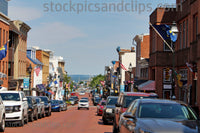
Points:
x=100, y=107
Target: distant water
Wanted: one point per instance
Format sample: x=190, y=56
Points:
x=78, y=78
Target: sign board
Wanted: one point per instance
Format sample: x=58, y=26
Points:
x=26, y=84
x=169, y=87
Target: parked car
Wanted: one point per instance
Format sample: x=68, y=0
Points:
x=156, y=115
x=86, y=98
x=75, y=98
x=81, y=93
x=72, y=101
x=32, y=108
x=83, y=104
x=125, y=98
x=16, y=106
x=47, y=104
x=63, y=105
x=2, y=115
x=96, y=101
x=109, y=109
x=100, y=107
x=55, y=105
x=41, y=107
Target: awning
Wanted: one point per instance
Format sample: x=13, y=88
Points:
x=51, y=92
x=41, y=87
x=47, y=92
x=147, y=86
x=139, y=82
x=2, y=75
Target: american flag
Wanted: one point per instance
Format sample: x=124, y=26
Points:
x=123, y=67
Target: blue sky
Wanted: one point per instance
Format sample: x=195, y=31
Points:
x=87, y=40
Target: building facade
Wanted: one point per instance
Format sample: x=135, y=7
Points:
x=127, y=58
x=4, y=7
x=17, y=54
x=36, y=74
x=142, y=56
x=187, y=49
x=4, y=37
x=43, y=57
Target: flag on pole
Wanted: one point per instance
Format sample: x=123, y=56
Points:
x=3, y=51
x=102, y=82
x=161, y=30
x=189, y=66
x=123, y=67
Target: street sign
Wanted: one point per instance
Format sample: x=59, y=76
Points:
x=26, y=84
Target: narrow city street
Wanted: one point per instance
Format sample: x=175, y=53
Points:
x=70, y=121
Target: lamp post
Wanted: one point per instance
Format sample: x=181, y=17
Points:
x=30, y=70
x=130, y=71
x=174, y=29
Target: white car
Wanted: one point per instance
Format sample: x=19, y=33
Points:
x=83, y=103
x=2, y=116
x=16, y=106
x=81, y=93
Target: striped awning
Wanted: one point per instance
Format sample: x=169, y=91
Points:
x=147, y=86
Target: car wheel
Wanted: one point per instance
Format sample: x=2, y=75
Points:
x=43, y=115
x=105, y=122
x=87, y=108
x=114, y=127
x=27, y=118
x=21, y=123
x=59, y=109
x=40, y=116
x=49, y=113
x=78, y=108
x=36, y=116
x=3, y=123
x=31, y=117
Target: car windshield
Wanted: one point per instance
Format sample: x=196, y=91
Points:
x=54, y=102
x=166, y=111
x=83, y=101
x=112, y=101
x=129, y=99
x=44, y=99
x=10, y=96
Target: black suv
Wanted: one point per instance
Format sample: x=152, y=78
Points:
x=47, y=104
x=32, y=108
x=109, y=108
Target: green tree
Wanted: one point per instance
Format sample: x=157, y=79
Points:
x=96, y=81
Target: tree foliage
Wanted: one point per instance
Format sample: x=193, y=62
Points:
x=96, y=80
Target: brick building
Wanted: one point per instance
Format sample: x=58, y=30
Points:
x=4, y=37
x=17, y=54
x=187, y=50
x=43, y=57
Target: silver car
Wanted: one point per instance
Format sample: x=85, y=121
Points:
x=41, y=108
x=83, y=104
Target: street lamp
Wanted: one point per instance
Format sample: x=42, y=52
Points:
x=174, y=30
x=130, y=71
x=29, y=71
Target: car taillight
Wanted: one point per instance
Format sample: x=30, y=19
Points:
x=101, y=106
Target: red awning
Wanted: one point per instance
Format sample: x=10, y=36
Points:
x=147, y=86
x=51, y=92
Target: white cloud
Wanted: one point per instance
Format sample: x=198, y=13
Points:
x=53, y=34
x=23, y=13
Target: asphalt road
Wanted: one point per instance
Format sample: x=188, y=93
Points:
x=70, y=121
